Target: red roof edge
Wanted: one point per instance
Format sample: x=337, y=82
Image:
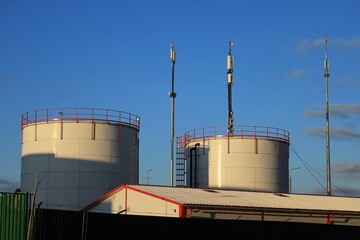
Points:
x=103, y=197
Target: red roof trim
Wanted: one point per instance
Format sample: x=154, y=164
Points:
x=102, y=198
x=133, y=187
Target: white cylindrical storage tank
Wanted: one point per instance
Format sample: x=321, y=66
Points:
x=76, y=155
x=252, y=158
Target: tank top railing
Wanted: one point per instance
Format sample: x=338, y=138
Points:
x=269, y=133
x=79, y=114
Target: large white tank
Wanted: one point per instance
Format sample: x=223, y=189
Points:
x=78, y=154
x=252, y=158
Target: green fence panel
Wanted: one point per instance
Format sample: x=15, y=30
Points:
x=14, y=215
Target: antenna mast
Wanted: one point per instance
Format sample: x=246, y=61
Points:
x=172, y=94
x=230, y=81
x=327, y=75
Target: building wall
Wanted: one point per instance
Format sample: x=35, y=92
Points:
x=127, y=201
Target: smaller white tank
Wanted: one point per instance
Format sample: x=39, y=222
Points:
x=252, y=158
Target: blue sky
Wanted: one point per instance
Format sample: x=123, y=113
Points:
x=115, y=55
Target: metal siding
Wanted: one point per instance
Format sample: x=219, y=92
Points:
x=13, y=215
x=143, y=204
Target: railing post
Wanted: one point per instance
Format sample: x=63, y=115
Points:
x=61, y=123
x=77, y=114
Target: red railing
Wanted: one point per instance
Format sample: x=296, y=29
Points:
x=79, y=115
x=269, y=133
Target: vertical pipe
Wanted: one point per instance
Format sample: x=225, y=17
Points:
x=191, y=167
x=196, y=163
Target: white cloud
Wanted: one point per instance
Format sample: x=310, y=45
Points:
x=307, y=45
x=340, y=133
x=336, y=110
x=297, y=73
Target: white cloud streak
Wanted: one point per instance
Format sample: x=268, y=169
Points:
x=335, y=133
x=336, y=110
x=297, y=73
x=307, y=45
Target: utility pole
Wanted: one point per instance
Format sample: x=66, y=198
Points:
x=147, y=176
x=290, y=180
x=172, y=94
x=230, y=81
x=327, y=75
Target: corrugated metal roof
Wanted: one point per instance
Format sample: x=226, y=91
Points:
x=251, y=199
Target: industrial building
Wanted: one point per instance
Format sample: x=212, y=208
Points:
x=184, y=202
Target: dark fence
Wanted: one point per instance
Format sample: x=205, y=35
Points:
x=59, y=224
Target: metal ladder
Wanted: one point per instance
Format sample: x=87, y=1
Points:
x=180, y=162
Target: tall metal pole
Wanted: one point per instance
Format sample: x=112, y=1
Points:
x=172, y=94
x=327, y=75
x=230, y=81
